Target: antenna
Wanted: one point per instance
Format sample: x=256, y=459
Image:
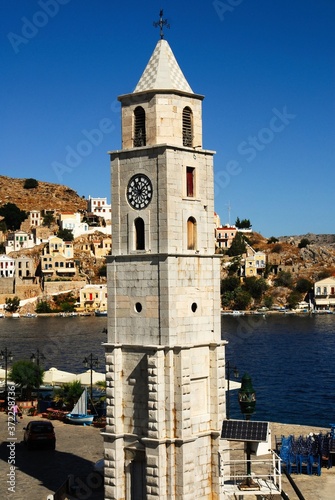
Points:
x=229, y=209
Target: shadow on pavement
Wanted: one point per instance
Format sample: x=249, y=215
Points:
x=51, y=469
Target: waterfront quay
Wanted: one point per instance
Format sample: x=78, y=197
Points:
x=40, y=473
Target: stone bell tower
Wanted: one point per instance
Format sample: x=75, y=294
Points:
x=164, y=354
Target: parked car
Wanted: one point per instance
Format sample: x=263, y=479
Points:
x=39, y=433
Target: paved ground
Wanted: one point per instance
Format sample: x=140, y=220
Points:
x=41, y=472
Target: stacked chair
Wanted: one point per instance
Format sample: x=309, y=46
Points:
x=307, y=455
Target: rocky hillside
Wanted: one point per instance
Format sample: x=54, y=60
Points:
x=309, y=262
x=46, y=196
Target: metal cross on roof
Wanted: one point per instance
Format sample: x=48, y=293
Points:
x=162, y=22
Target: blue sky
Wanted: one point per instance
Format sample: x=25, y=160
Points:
x=266, y=69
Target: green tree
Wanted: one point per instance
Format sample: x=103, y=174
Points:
x=229, y=284
x=293, y=299
x=284, y=278
x=238, y=246
x=13, y=216
x=48, y=220
x=242, y=299
x=227, y=300
x=303, y=285
x=43, y=307
x=26, y=375
x=268, y=301
x=235, y=266
x=65, y=302
x=255, y=286
x=12, y=305
x=242, y=224
x=65, y=234
x=67, y=395
x=30, y=183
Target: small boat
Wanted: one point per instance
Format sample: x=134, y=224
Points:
x=233, y=313
x=15, y=315
x=100, y=313
x=30, y=315
x=79, y=413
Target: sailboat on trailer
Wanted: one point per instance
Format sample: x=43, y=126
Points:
x=79, y=413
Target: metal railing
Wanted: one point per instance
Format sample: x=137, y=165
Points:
x=265, y=472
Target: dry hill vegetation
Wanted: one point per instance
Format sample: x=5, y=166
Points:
x=46, y=196
x=310, y=262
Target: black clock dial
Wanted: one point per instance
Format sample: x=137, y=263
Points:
x=139, y=191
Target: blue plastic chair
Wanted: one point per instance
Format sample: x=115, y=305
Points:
x=326, y=461
x=305, y=464
x=315, y=461
x=293, y=464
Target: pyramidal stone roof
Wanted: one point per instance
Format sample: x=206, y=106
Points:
x=163, y=72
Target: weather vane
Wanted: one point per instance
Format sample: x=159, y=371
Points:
x=162, y=22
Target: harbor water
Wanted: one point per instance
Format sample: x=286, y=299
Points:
x=290, y=358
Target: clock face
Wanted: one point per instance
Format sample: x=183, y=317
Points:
x=139, y=191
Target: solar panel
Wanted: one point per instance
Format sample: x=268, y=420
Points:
x=245, y=430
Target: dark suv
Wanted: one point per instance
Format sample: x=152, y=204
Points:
x=39, y=433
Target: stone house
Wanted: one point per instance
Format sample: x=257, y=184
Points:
x=57, y=259
x=253, y=263
x=324, y=294
x=25, y=268
x=19, y=240
x=73, y=223
x=100, y=207
x=92, y=297
x=224, y=236
x=7, y=266
x=102, y=247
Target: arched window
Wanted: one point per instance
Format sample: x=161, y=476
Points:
x=139, y=127
x=187, y=127
x=191, y=233
x=139, y=234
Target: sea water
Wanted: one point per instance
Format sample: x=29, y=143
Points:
x=290, y=358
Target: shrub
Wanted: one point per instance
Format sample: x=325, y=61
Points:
x=273, y=239
x=303, y=243
x=277, y=248
x=30, y=183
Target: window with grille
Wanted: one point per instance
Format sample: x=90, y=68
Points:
x=187, y=127
x=139, y=127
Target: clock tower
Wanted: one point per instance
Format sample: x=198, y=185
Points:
x=164, y=354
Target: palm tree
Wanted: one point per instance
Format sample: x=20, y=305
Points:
x=68, y=394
